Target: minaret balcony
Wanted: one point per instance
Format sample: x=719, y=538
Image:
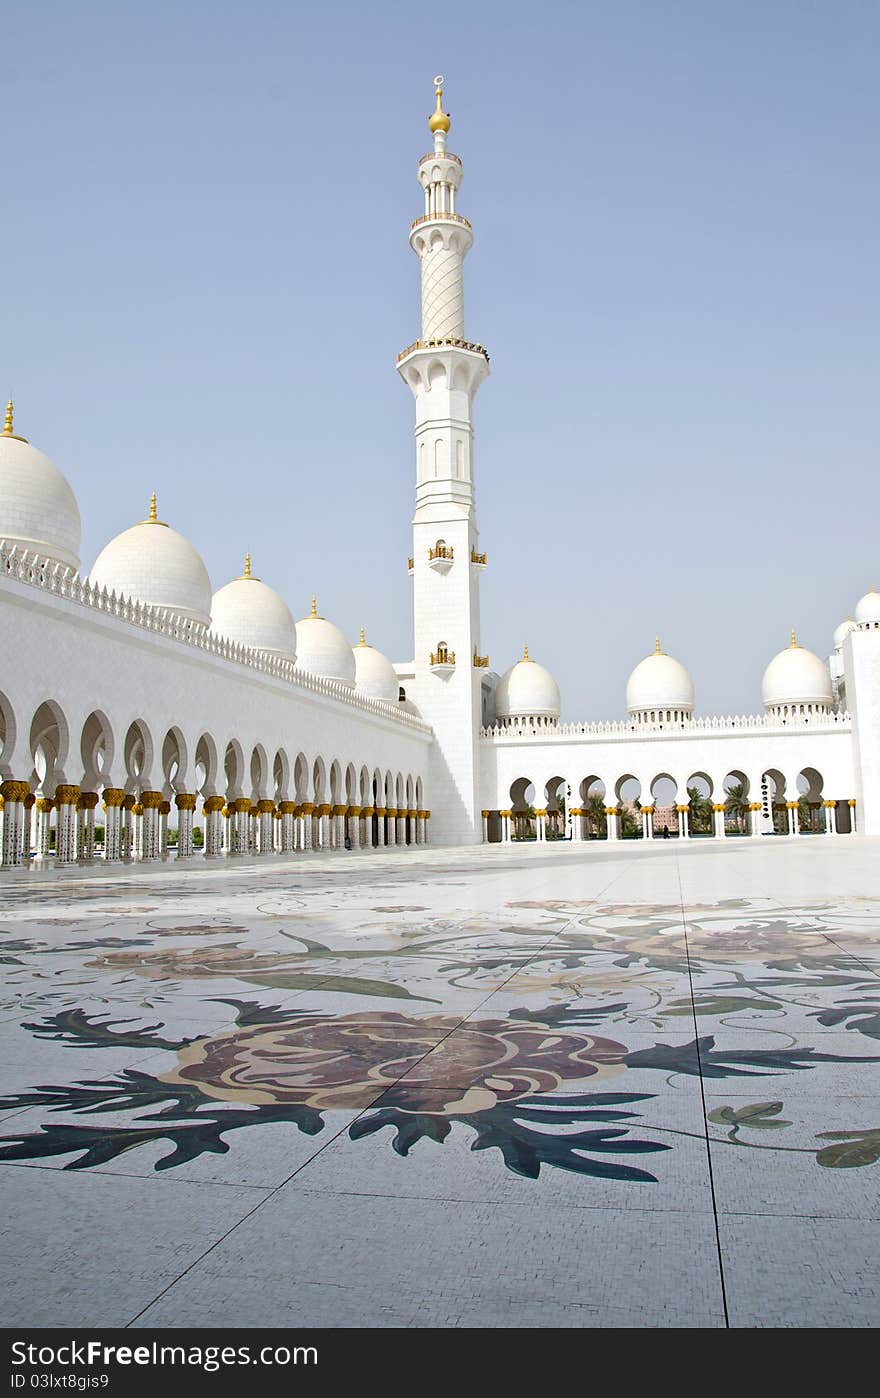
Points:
x=481, y=662
x=450, y=343
x=440, y=218
x=442, y=661
x=410, y=566
x=447, y=155
x=440, y=558
x=478, y=559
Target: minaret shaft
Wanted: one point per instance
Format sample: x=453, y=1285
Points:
x=444, y=371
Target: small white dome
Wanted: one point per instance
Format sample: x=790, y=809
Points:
x=796, y=677
x=527, y=690
x=321, y=649
x=374, y=673
x=843, y=631
x=152, y=563
x=660, y=682
x=250, y=613
x=868, y=609
x=38, y=509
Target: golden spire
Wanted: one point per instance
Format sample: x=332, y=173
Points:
x=7, y=425
x=247, y=566
x=314, y=611
x=363, y=639
x=526, y=655
x=439, y=121
x=657, y=650
x=153, y=517
x=794, y=639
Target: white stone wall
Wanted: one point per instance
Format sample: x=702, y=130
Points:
x=712, y=752
x=861, y=661
x=86, y=661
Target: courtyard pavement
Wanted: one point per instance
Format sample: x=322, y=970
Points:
x=502, y=1086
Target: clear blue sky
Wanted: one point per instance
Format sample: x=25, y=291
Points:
x=206, y=280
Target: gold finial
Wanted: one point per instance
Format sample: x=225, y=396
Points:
x=247, y=566
x=154, y=518
x=439, y=121
x=7, y=425
x=314, y=611
x=363, y=639
x=794, y=639
x=526, y=655
x=657, y=650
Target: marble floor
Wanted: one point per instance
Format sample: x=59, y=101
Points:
x=503, y=1086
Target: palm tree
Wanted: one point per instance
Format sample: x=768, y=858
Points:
x=594, y=810
x=737, y=804
x=700, y=811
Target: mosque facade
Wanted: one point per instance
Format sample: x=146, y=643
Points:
x=145, y=717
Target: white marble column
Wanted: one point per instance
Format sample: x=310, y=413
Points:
x=353, y=820
x=612, y=819
x=718, y=820
x=151, y=802
x=13, y=794
x=45, y=807
x=112, y=805
x=66, y=797
x=684, y=822
x=186, y=805
x=541, y=824
x=265, y=812
x=830, y=817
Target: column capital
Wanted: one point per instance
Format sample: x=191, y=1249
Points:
x=87, y=801
x=151, y=800
x=287, y=808
x=264, y=807
x=66, y=794
x=212, y=804
x=15, y=791
x=185, y=801
x=113, y=796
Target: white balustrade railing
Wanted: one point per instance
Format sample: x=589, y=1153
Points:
x=52, y=577
x=615, y=729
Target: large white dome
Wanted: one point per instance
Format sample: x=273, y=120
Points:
x=374, y=673
x=527, y=690
x=842, y=631
x=796, y=680
x=321, y=649
x=250, y=613
x=658, y=687
x=38, y=509
x=868, y=609
x=152, y=563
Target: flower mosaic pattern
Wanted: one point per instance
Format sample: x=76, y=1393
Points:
x=568, y=1075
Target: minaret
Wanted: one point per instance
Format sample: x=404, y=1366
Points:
x=444, y=371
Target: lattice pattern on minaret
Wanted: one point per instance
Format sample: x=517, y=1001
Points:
x=442, y=294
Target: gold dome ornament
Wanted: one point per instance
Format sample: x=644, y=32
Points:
x=7, y=425
x=247, y=575
x=439, y=121
x=153, y=517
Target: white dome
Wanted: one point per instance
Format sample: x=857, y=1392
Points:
x=868, y=609
x=374, y=673
x=38, y=509
x=251, y=614
x=321, y=649
x=152, y=563
x=527, y=690
x=843, y=631
x=659, y=682
x=796, y=677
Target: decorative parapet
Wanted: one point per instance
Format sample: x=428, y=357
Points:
x=739, y=723
x=447, y=343
x=447, y=155
x=481, y=662
x=442, y=551
x=478, y=558
x=442, y=659
x=440, y=218
x=48, y=576
x=410, y=565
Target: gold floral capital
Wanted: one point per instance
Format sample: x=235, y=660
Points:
x=212, y=804
x=87, y=801
x=14, y=791
x=113, y=796
x=67, y=795
x=151, y=800
x=185, y=801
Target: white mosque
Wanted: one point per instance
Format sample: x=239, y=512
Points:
x=144, y=717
